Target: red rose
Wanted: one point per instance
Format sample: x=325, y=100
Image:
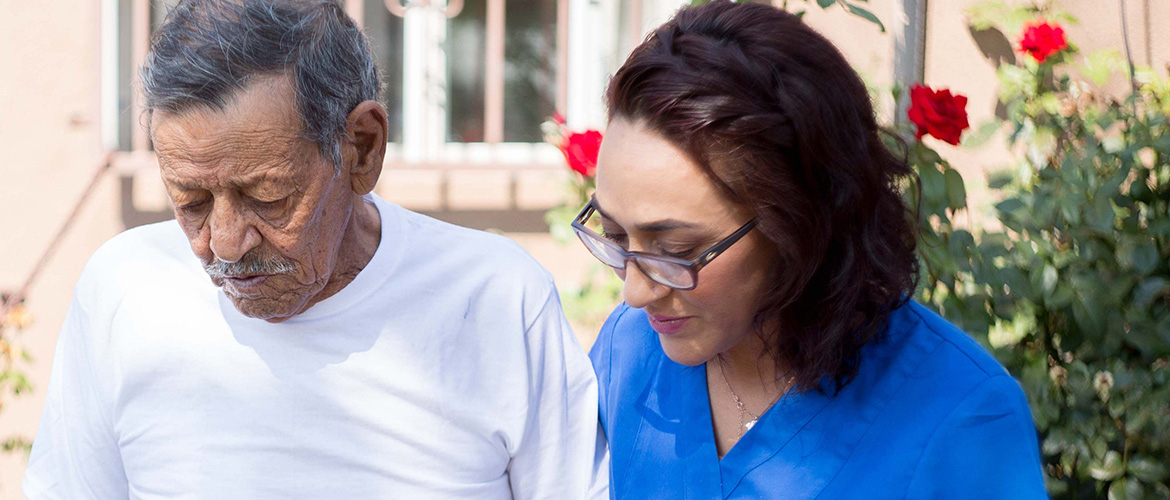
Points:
x=580, y=149
x=938, y=113
x=1042, y=39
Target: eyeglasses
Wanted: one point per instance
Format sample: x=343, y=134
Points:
x=679, y=274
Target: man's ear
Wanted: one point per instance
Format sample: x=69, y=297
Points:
x=366, y=129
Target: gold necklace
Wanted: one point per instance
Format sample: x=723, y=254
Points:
x=745, y=425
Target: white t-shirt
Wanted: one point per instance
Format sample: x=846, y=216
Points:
x=444, y=370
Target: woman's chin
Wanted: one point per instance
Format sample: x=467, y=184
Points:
x=683, y=354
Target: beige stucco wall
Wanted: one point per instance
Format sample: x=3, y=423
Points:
x=955, y=60
x=50, y=141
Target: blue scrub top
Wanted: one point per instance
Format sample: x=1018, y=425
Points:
x=930, y=415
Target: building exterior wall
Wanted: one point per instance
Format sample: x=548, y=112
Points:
x=51, y=140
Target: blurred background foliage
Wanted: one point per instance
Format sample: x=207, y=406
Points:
x=1069, y=284
x=14, y=319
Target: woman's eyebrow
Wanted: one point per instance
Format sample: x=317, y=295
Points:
x=657, y=226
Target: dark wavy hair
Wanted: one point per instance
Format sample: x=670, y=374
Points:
x=781, y=123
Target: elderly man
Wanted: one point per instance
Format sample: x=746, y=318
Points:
x=344, y=348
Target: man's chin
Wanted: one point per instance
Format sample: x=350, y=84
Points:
x=261, y=308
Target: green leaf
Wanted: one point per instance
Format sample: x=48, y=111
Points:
x=1101, y=65
x=956, y=192
x=1061, y=297
x=1147, y=470
x=998, y=179
x=1125, y=489
x=987, y=15
x=1145, y=257
x=1160, y=228
x=1101, y=215
x=1009, y=206
x=982, y=134
x=1148, y=290
x=933, y=183
x=1110, y=469
x=15, y=444
x=962, y=245
x=1015, y=280
x=1087, y=314
x=864, y=14
x=1048, y=279
x=826, y=3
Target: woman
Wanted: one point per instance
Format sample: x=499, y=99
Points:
x=767, y=347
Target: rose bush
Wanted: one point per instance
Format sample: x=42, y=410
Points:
x=1070, y=286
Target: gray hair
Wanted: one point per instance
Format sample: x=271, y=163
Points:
x=207, y=50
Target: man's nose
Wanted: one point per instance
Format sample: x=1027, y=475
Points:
x=232, y=235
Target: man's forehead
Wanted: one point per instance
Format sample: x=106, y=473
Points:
x=259, y=128
x=264, y=108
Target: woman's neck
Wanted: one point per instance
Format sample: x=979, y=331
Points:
x=749, y=365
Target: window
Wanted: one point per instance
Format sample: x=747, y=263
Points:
x=468, y=82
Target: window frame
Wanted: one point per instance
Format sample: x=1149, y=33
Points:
x=581, y=68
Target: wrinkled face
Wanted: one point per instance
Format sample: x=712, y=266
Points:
x=656, y=199
x=262, y=208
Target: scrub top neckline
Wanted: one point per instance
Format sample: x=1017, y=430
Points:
x=774, y=429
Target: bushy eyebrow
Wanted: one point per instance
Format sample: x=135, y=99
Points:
x=245, y=182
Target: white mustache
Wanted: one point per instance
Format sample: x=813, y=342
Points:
x=219, y=269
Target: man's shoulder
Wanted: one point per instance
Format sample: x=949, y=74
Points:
x=161, y=236
x=446, y=245
x=136, y=255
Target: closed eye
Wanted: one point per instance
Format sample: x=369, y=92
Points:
x=268, y=207
x=683, y=254
x=191, y=207
x=619, y=238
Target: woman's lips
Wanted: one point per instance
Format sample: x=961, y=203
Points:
x=667, y=325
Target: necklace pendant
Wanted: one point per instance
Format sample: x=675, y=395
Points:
x=749, y=425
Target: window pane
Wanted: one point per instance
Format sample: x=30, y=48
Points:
x=385, y=32
x=465, y=72
x=530, y=76
x=158, y=12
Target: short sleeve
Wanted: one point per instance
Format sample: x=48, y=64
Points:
x=563, y=453
x=985, y=448
x=75, y=455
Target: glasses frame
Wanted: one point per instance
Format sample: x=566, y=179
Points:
x=692, y=266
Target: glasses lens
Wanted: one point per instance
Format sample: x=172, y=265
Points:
x=606, y=251
x=671, y=274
